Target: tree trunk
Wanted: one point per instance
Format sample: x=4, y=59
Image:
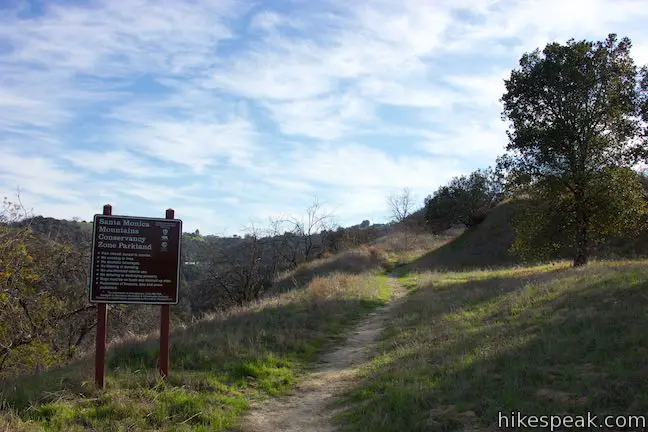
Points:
x=581, y=258
x=582, y=233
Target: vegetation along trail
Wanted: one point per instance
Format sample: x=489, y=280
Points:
x=310, y=406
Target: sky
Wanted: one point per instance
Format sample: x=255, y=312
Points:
x=234, y=112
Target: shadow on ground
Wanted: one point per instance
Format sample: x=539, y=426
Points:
x=458, y=356
x=483, y=246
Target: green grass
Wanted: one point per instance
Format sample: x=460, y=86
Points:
x=540, y=340
x=217, y=366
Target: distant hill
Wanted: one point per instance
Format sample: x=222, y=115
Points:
x=60, y=230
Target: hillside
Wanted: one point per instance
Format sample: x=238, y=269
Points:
x=46, y=320
x=218, y=364
x=542, y=340
x=478, y=334
x=487, y=245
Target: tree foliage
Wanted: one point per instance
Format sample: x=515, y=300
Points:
x=45, y=317
x=465, y=200
x=576, y=114
x=546, y=226
x=43, y=320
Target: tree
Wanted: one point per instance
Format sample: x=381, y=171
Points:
x=317, y=220
x=235, y=276
x=466, y=200
x=400, y=205
x=303, y=237
x=545, y=225
x=43, y=319
x=575, y=113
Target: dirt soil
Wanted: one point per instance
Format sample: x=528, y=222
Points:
x=309, y=407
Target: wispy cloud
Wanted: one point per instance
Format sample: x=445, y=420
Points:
x=232, y=110
x=196, y=145
x=326, y=118
x=37, y=176
x=120, y=162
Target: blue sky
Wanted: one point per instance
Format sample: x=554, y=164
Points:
x=237, y=111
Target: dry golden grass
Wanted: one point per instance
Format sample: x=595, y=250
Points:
x=356, y=261
x=404, y=241
x=340, y=285
x=403, y=247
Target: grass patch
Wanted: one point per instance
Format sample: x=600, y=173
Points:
x=218, y=365
x=403, y=247
x=540, y=340
x=356, y=261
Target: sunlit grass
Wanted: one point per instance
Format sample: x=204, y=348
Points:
x=544, y=339
x=218, y=365
x=458, y=277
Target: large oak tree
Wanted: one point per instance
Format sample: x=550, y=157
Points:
x=576, y=110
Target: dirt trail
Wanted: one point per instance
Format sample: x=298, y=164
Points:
x=309, y=407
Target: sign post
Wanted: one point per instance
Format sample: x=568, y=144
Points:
x=102, y=329
x=134, y=260
x=165, y=318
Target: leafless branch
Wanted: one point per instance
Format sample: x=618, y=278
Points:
x=400, y=205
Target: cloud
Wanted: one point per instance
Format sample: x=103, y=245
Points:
x=325, y=118
x=22, y=110
x=483, y=90
x=354, y=179
x=271, y=22
x=121, y=162
x=525, y=25
x=231, y=110
x=397, y=94
x=150, y=192
x=475, y=140
x=356, y=165
x=275, y=70
x=194, y=144
x=120, y=38
x=37, y=176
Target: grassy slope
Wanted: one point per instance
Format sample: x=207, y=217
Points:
x=486, y=245
x=462, y=347
x=540, y=340
x=217, y=365
x=356, y=261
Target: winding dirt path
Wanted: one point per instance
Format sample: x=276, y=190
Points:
x=309, y=407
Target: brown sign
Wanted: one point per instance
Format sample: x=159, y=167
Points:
x=135, y=260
